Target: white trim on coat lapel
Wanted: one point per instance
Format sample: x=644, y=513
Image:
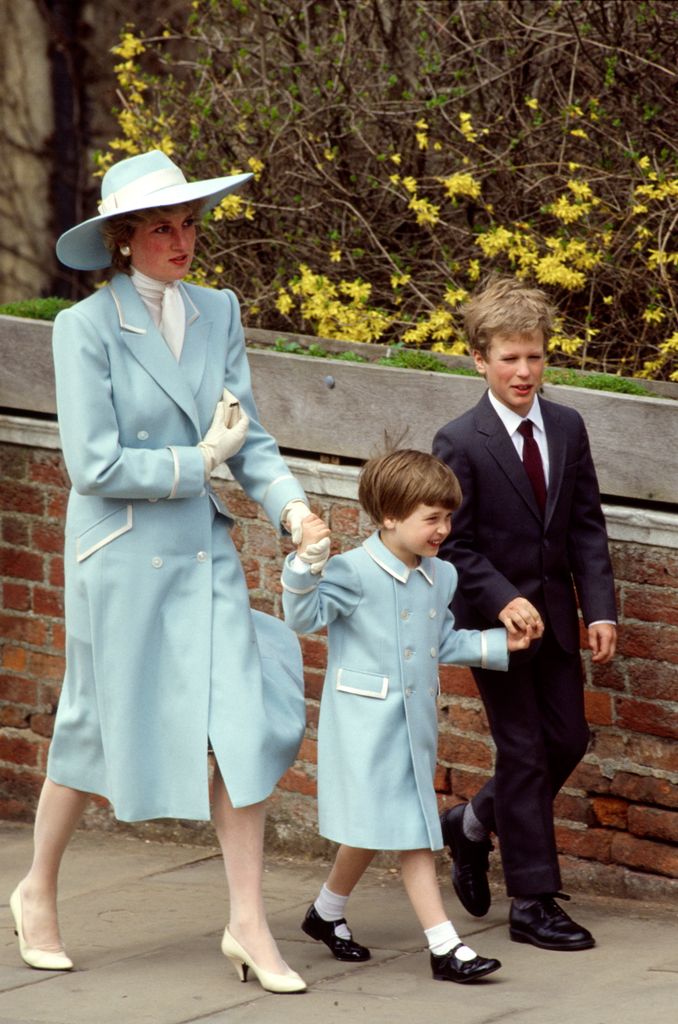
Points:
x=145, y=342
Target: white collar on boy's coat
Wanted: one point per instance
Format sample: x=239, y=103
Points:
x=387, y=561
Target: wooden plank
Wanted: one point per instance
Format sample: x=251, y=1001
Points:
x=334, y=408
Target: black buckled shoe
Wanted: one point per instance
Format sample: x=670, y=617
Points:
x=324, y=931
x=449, y=967
x=546, y=925
x=471, y=863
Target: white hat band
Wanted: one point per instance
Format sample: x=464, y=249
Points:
x=146, y=185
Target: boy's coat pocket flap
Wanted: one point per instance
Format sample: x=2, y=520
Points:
x=363, y=684
x=103, y=532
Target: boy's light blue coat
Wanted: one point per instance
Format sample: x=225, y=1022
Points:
x=162, y=652
x=389, y=627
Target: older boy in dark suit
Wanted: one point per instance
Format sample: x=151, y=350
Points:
x=529, y=541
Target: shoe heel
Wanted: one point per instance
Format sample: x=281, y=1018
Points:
x=240, y=967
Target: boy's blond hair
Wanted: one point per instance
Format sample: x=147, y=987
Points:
x=506, y=306
x=393, y=485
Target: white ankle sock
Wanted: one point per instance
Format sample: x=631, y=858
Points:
x=331, y=906
x=443, y=937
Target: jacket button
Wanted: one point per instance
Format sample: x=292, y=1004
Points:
x=404, y=614
x=432, y=614
x=407, y=653
x=202, y=556
x=156, y=562
x=434, y=651
x=409, y=691
x=142, y=435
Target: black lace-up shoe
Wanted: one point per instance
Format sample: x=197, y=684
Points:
x=546, y=925
x=324, y=931
x=449, y=967
x=471, y=863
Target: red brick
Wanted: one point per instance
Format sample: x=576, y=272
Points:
x=639, y=563
x=467, y=718
x=271, y=580
x=263, y=603
x=441, y=780
x=645, y=855
x=13, y=461
x=13, y=717
x=650, y=604
x=241, y=506
x=14, y=810
x=648, y=641
x=657, y=681
x=653, y=752
x=20, y=782
x=466, y=783
x=262, y=539
x=58, y=636
x=57, y=502
x=312, y=712
x=48, y=601
x=612, y=676
x=56, y=572
x=48, y=537
x=314, y=650
x=23, y=565
x=49, y=469
x=13, y=658
x=252, y=570
x=313, y=684
x=15, y=532
x=16, y=596
x=308, y=751
x=571, y=807
x=651, y=823
x=610, y=812
x=18, y=690
x=458, y=682
x=645, y=716
x=19, y=749
x=18, y=497
x=598, y=707
x=295, y=781
x=590, y=843
x=45, y=666
x=346, y=520
x=454, y=749
x=22, y=628
x=42, y=725
x=644, y=789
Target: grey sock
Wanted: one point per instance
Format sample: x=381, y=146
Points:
x=472, y=827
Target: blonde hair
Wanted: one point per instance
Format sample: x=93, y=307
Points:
x=393, y=485
x=506, y=306
x=117, y=231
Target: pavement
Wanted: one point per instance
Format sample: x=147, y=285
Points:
x=143, y=921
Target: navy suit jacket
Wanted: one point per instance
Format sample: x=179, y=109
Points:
x=501, y=545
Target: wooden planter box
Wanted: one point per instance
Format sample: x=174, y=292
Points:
x=335, y=409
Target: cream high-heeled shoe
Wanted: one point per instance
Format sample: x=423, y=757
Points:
x=40, y=959
x=241, y=960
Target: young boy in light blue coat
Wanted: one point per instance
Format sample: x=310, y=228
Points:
x=386, y=605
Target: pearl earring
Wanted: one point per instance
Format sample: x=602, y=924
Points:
x=125, y=250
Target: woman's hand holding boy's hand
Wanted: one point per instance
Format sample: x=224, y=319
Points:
x=314, y=546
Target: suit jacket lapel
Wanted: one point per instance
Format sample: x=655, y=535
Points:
x=555, y=439
x=503, y=451
x=148, y=347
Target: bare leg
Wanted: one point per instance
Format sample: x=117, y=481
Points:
x=349, y=867
x=421, y=884
x=241, y=836
x=59, y=810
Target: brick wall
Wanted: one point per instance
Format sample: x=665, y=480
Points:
x=617, y=818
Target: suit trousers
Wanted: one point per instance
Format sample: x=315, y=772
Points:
x=536, y=716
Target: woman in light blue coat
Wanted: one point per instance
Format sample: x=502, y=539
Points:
x=164, y=655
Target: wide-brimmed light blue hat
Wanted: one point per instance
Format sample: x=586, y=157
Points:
x=138, y=183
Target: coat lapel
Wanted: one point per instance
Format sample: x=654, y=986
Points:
x=148, y=347
x=555, y=438
x=194, y=353
x=501, y=448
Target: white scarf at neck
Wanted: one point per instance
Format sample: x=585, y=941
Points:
x=166, y=306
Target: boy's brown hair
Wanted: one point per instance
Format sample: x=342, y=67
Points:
x=506, y=306
x=117, y=231
x=393, y=485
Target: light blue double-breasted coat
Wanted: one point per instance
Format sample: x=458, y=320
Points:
x=388, y=629
x=163, y=652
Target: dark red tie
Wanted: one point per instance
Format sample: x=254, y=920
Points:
x=534, y=467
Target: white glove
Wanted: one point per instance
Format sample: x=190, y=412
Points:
x=226, y=434
x=315, y=555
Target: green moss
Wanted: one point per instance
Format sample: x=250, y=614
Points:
x=36, y=309
x=597, y=382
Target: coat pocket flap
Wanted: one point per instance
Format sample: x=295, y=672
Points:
x=363, y=684
x=103, y=532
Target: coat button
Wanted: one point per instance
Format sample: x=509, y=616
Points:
x=404, y=614
x=432, y=613
x=142, y=435
x=156, y=562
x=407, y=653
x=202, y=556
x=408, y=691
x=434, y=652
